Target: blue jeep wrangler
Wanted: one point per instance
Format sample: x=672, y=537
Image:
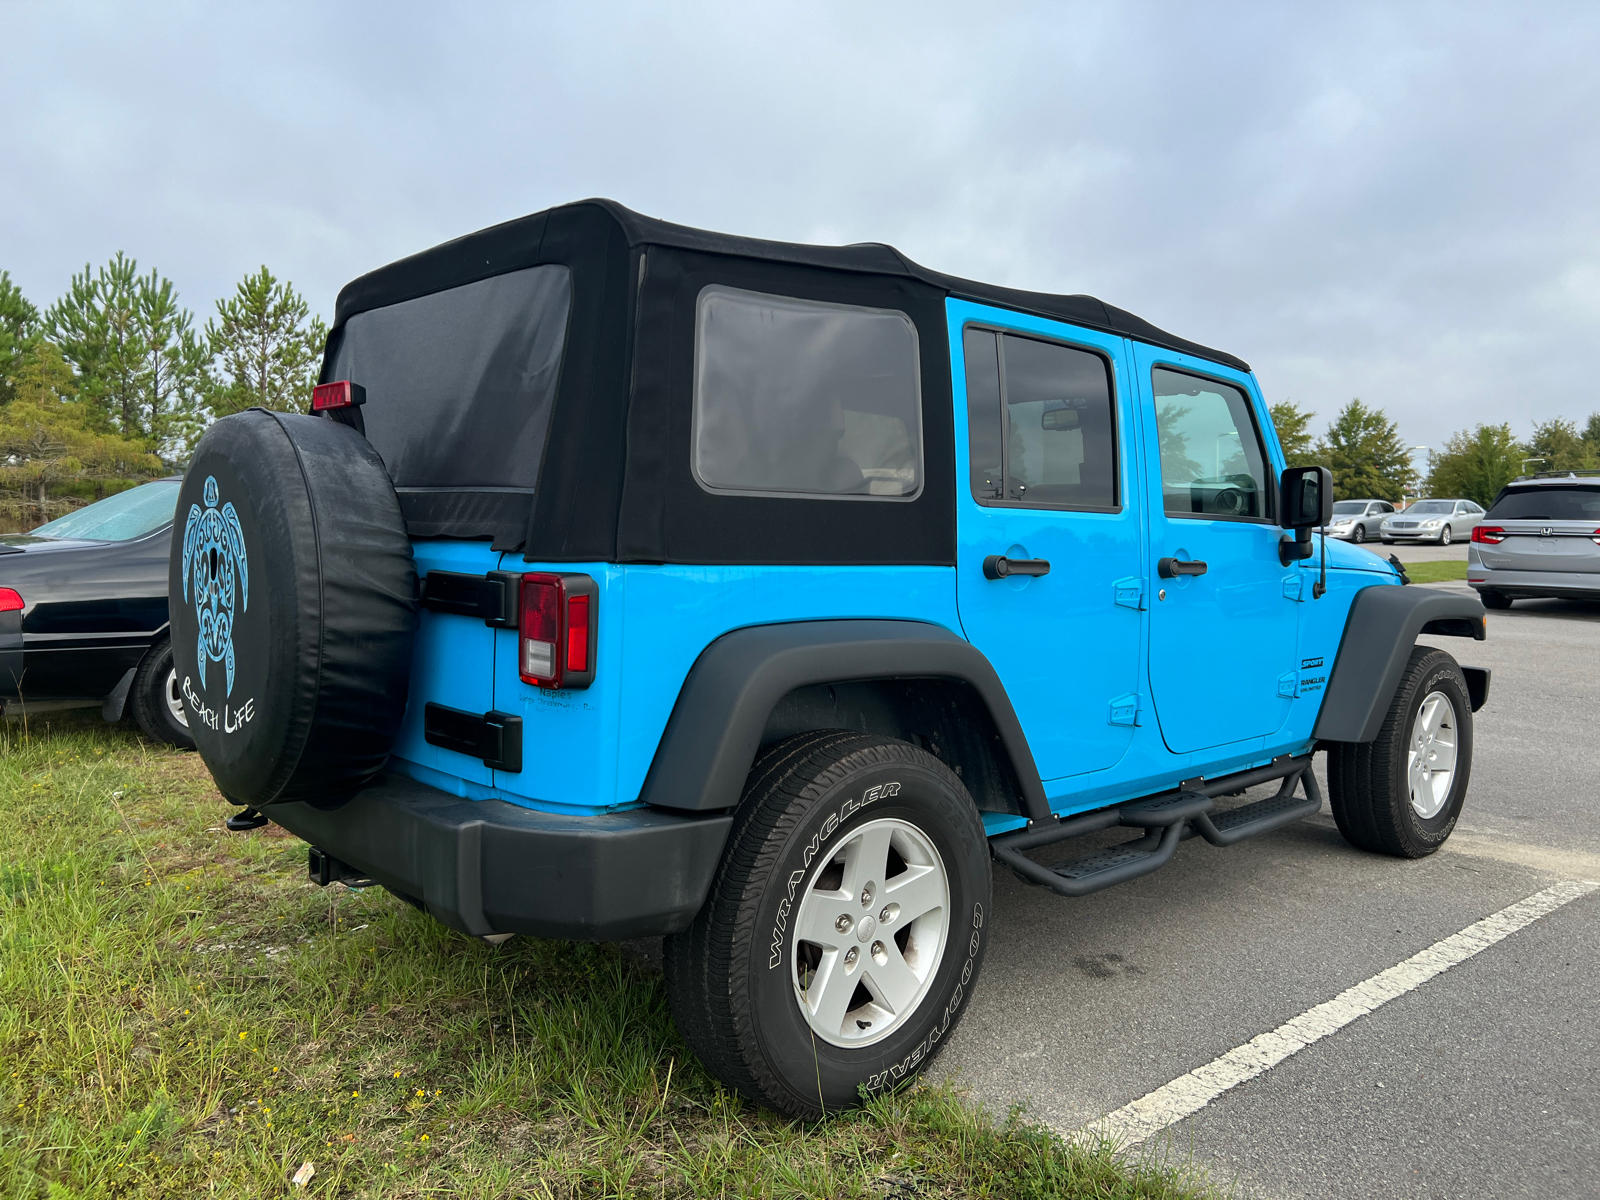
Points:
x=633, y=580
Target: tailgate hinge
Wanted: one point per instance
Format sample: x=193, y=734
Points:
x=493, y=598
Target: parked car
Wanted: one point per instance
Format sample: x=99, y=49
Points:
x=1357, y=520
x=1541, y=537
x=83, y=613
x=1442, y=521
x=768, y=592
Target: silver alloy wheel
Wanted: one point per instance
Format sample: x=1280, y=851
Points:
x=1431, y=757
x=868, y=943
x=174, y=700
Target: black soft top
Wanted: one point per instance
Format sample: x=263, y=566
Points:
x=622, y=407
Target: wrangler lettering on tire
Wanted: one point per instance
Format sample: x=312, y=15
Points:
x=850, y=854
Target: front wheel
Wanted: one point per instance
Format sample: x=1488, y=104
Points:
x=1402, y=793
x=157, y=703
x=844, y=929
x=1360, y=535
x=1444, y=536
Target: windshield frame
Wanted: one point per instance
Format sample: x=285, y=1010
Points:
x=1432, y=508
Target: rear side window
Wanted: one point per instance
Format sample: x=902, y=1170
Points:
x=1212, y=463
x=1040, y=422
x=799, y=398
x=460, y=384
x=1549, y=504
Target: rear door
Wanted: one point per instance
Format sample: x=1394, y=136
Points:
x=1051, y=478
x=1223, y=626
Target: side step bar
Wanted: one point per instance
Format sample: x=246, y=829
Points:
x=1167, y=819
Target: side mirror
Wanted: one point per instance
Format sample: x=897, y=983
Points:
x=1305, y=498
x=1305, y=502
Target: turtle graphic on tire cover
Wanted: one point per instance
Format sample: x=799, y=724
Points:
x=213, y=546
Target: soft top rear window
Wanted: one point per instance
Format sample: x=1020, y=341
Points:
x=460, y=384
x=1549, y=504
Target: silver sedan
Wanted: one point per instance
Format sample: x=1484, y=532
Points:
x=1357, y=520
x=1441, y=521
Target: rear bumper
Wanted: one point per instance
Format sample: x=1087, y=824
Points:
x=1569, y=585
x=485, y=866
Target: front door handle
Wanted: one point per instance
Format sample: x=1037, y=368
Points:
x=1170, y=568
x=998, y=566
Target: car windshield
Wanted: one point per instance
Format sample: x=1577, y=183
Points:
x=1549, y=504
x=118, y=518
x=1349, y=508
x=1432, y=506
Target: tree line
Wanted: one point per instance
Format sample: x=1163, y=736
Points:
x=113, y=383
x=1370, y=461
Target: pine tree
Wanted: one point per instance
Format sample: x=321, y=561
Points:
x=1294, y=433
x=138, y=361
x=48, y=440
x=1367, y=456
x=1475, y=465
x=268, y=351
x=19, y=329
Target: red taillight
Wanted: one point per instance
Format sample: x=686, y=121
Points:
x=10, y=601
x=1595, y=537
x=556, y=635
x=342, y=394
x=1492, y=534
x=578, y=634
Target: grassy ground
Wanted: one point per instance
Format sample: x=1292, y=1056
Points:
x=1437, y=572
x=182, y=1014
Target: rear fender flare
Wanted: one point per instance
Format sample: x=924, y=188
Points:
x=1379, y=634
x=715, y=729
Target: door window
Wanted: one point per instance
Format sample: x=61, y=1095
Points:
x=1212, y=463
x=1041, y=424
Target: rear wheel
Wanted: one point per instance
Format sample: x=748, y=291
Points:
x=1495, y=600
x=843, y=932
x=157, y=701
x=1402, y=793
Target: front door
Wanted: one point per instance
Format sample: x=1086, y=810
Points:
x=1050, y=479
x=1223, y=625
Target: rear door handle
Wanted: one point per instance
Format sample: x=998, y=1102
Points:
x=998, y=566
x=1169, y=568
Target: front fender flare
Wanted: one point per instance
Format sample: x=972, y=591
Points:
x=715, y=729
x=1379, y=634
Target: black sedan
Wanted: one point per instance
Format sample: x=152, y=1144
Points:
x=83, y=613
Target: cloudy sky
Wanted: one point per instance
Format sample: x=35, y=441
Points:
x=1397, y=202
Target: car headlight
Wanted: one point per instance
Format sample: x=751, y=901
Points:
x=1433, y=524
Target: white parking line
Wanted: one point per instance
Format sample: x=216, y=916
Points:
x=1188, y=1094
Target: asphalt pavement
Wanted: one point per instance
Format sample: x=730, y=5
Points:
x=1481, y=1081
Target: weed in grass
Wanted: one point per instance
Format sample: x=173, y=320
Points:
x=183, y=1014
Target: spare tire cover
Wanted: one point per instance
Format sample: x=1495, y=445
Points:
x=294, y=611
